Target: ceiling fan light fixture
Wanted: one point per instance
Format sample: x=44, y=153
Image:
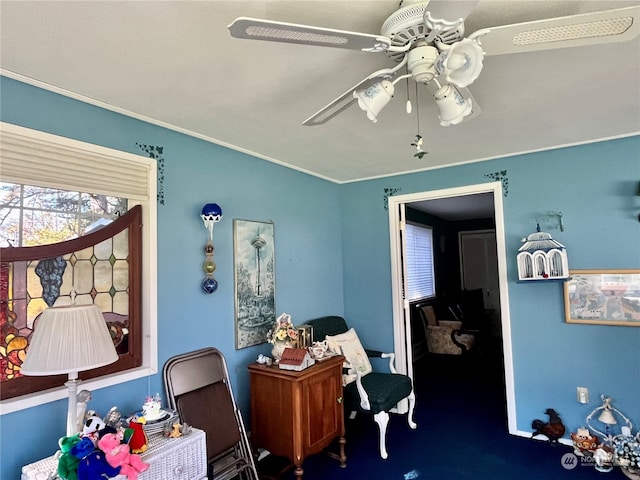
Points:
x=374, y=98
x=428, y=39
x=422, y=63
x=444, y=30
x=406, y=23
x=452, y=105
x=461, y=62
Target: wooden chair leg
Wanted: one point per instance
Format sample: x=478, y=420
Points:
x=382, y=419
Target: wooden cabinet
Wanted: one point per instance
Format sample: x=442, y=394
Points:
x=297, y=414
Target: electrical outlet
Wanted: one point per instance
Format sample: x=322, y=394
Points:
x=583, y=395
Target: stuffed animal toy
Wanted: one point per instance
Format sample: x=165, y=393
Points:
x=92, y=427
x=68, y=463
x=138, y=441
x=119, y=455
x=95, y=467
x=83, y=448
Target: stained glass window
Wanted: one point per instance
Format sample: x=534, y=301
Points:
x=100, y=268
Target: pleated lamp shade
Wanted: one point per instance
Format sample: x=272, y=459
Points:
x=69, y=339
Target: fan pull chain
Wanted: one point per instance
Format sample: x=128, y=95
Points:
x=419, y=139
x=408, y=105
x=417, y=109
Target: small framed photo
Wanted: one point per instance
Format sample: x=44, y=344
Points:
x=603, y=297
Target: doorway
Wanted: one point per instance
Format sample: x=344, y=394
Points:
x=401, y=307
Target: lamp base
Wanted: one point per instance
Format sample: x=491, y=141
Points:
x=72, y=414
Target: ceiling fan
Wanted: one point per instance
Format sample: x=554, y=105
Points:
x=427, y=40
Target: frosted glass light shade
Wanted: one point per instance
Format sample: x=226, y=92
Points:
x=69, y=339
x=462, y=63
x=453, y=106
x=373, y=99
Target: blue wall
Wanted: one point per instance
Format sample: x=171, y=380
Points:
x=595, y=187
x=306, y=215
x=332, y=257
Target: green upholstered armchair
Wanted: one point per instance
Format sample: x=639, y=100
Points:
x=373, y=393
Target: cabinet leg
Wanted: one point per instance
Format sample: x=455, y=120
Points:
x=299, y=471
x=343, y=457
x=340, y=456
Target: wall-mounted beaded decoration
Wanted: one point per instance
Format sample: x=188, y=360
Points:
x=211, y=213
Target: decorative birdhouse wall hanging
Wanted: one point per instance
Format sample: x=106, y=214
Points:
x=542, y=258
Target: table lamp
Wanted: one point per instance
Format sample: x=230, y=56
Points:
x=69, y=340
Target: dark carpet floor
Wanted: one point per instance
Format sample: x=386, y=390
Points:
x=461, y=434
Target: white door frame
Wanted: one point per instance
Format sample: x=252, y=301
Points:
x=403, y=354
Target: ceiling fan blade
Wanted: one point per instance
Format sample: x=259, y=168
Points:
x=617, y=25
x=449, y=10
x=476, y=110
x=345, y=100
x=336, y=107
x=257, y=29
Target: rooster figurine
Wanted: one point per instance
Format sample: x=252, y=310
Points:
x=553, y=429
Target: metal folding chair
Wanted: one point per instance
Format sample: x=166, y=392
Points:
x=198, y=388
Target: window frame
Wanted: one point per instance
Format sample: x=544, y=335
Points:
x=18, y=143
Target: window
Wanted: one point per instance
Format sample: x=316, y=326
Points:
x=31, y=215
x=101, y=268
x=73, y=189
x=419, y=262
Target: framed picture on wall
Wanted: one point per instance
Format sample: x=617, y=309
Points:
x=603, y=297
x=255, y=286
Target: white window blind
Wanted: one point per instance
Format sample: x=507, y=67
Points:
x=419, y=262
x=36, y=158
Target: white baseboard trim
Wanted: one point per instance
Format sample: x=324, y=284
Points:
x=542, y=438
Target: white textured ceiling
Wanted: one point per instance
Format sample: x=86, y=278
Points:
x=176, y=64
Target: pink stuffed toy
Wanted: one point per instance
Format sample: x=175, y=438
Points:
x=119, y=455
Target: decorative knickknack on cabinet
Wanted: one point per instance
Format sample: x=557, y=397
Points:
x=542, y=258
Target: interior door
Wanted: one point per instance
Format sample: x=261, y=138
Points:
x=479, y=269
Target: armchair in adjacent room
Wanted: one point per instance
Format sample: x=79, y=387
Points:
x=445, y=336
x=374, y=393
